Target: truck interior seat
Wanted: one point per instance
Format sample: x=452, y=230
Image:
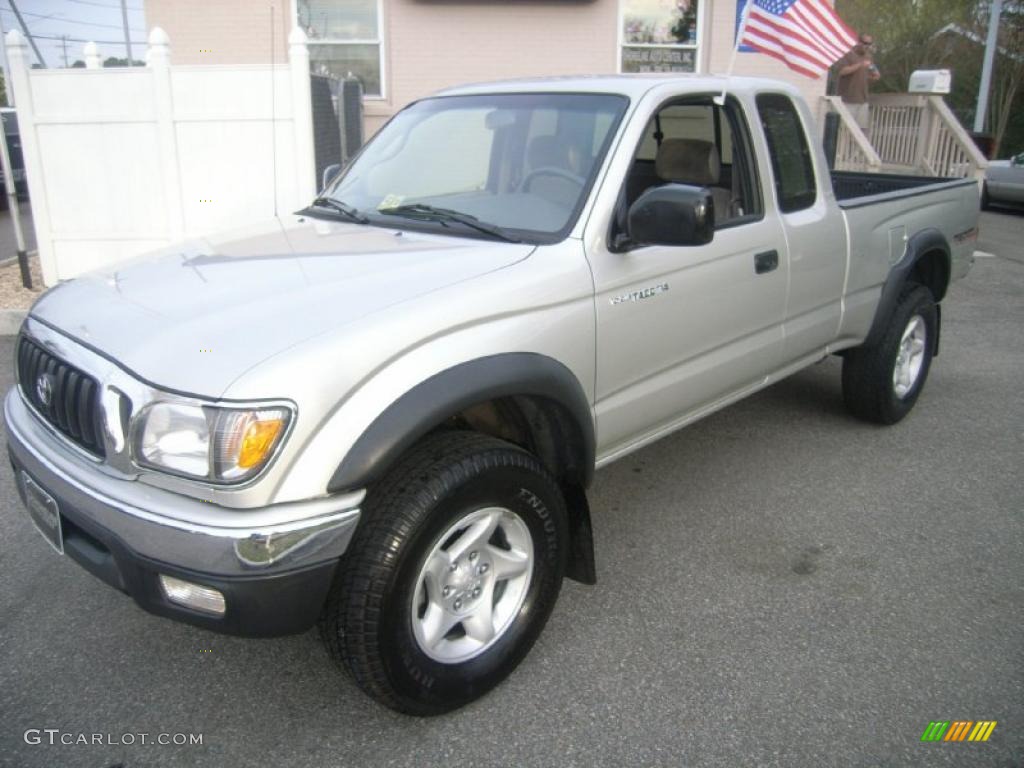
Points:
x=696, y=162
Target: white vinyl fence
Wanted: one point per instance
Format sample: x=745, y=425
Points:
x=121, y=161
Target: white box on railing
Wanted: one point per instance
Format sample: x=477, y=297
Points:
x=937, y=81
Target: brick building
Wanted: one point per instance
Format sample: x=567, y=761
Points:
x=405, y=49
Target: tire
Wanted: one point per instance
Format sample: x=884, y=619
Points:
x=986, y=203
x=870, y=386
x=380, y=611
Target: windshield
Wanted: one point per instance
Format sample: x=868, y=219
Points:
x=521, y=163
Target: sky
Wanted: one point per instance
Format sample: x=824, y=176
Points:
x=79, y=21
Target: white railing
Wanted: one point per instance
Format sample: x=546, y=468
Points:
x=908, y=133
x=853, y=150
x=125, y=160
x=895, y=131
x=949, y=150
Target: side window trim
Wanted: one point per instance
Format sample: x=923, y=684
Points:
x=742, y=147
x=743, y=156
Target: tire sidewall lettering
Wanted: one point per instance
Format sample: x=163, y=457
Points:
x=507, y=490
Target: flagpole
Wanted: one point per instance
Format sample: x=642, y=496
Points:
x=720, y=100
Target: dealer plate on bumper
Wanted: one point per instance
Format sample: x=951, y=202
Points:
x=42, y=508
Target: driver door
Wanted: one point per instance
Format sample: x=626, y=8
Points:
x=681, y=329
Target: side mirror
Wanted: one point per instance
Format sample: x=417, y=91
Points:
x=329, y=174
x=672, y=214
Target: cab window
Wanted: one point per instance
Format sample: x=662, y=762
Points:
x=699, y=143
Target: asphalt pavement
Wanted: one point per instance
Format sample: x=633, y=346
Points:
x=779, y=585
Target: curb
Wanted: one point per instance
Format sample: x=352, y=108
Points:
x=11, y=320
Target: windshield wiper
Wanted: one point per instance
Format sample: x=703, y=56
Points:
x=346, y=210
x=433, y=213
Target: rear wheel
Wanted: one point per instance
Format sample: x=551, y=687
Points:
x=882, y=381
x=451, y=576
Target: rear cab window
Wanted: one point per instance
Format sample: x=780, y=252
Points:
x=792, y=166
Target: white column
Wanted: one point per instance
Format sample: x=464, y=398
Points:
x=92, y=56
x=158, y=60
x=302, y=118
x=20, y=85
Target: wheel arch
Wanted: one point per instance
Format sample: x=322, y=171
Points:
x=525, y=398
x=927, y=261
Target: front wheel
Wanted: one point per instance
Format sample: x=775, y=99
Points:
x=451, y=575
x=882, y=381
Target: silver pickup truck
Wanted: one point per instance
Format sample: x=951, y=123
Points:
x=381, y=414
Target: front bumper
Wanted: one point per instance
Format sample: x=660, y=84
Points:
x=273, y=565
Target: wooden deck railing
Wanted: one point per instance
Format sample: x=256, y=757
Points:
x=853, y=150
x=907, y=133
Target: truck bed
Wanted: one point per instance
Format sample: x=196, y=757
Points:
x=883, y=213
x=853, y=188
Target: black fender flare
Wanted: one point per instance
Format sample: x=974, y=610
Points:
x=430, y=402
x=925, y=241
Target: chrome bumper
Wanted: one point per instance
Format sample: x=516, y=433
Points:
x=178, y=530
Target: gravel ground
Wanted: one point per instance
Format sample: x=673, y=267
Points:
x=13, y=295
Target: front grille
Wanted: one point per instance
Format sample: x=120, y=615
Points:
x=74, y=398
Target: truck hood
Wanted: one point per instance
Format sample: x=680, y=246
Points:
x=196, y=316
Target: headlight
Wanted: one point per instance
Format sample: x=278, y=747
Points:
x=224, y=445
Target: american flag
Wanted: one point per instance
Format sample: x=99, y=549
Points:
x=807, y=35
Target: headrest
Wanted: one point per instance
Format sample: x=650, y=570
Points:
x=547, y=152
x=688, y=161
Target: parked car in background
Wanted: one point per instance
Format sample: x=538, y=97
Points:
x=1004, y=182
x=10, y=118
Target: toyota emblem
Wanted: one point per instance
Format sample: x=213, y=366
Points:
x=44, y=389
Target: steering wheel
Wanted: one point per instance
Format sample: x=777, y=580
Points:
x=550, y=170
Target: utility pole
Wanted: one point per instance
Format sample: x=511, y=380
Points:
x=3, y=62
x=31, y=40
x=64, y=47
x=127, y=34
x=991, y=46
x=15, y=209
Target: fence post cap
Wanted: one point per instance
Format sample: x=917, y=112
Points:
x=15, y=38
x=157, y=36
x=297, y=36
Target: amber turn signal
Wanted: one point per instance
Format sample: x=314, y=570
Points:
x=258, y=441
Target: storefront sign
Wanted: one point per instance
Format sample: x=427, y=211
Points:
x=657, y=60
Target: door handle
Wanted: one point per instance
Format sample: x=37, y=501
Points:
x=767, y=261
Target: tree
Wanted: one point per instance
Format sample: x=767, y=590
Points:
x=1003, y=119
x=950, y=34
x=905, y=33
x=113, y=61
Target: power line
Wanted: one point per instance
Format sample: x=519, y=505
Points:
x=77, y=39
x=104, y=5
x=69, y=21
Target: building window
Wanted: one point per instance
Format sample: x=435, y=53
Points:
x=660, y=35
x=345, y=36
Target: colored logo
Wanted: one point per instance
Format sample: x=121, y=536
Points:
x=958, y=730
